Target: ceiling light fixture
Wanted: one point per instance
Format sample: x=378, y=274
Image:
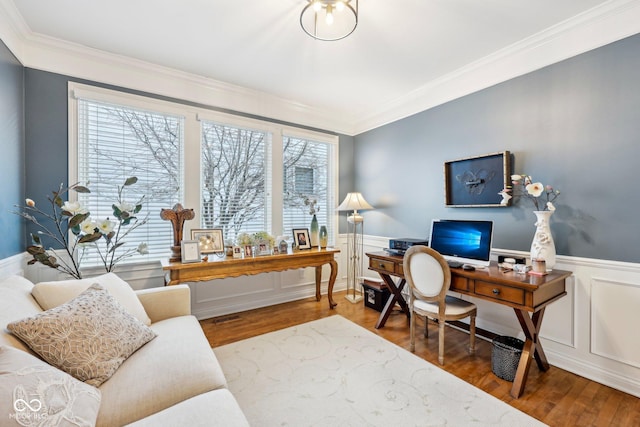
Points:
x=329, y=20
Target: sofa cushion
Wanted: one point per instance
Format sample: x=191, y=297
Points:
x=217, y=408
x=16, y=303
x=53, y=294
x=177, y=365
x=35, y=393
x=88, y=337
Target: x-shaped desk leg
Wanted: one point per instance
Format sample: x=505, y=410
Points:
x=396, y=297
x=532, y=348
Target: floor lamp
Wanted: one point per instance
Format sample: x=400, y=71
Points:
x=354, y=202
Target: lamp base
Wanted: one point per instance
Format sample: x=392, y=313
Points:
x=354, y=298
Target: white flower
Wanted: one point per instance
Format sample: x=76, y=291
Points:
x=74, y=208
x=105, y=226
x=550, y=206
x=143, y=249
x=125, y=207
x=30, y=203
x=535, y=189
x=516, y=177
x=88, y=226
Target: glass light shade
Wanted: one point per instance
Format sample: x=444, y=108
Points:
x=329, y=20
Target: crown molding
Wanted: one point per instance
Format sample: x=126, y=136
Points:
x=599, y=26
x=604, y=24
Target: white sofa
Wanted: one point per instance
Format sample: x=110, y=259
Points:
x=174, y=379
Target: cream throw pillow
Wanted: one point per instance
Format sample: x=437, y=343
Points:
x=88, y=337
x=52, y=294
x=33, y=393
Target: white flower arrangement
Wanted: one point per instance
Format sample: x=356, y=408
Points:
x=542, y=196
x=71, y=218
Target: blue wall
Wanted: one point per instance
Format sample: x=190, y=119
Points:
x=12, y=157
x=574, y=125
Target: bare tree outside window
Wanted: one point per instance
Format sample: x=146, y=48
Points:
x=233, y=179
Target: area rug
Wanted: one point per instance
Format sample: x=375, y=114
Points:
x=332, y=372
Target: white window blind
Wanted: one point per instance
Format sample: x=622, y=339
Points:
x=236, y=179
x=116, y=142
x=307, y=173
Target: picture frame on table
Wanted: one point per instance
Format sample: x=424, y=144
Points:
x=190, y=251
x=301, y=237
x=237, y=252
x=263, y=248
x=477, y=181
x=210, y=241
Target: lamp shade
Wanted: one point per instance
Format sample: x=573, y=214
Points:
x=354, y=202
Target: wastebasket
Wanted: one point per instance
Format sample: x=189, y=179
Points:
x=505, y=356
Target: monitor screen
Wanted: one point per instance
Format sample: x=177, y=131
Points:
x=462, y=240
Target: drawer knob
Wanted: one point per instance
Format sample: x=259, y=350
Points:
x=496, y=291
x=382, y=266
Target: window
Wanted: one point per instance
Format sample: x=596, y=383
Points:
x=308, y=175
x=116, y=142
x=235, y=179
x=238, y=174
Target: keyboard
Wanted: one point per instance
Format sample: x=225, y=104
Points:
x=455, y=264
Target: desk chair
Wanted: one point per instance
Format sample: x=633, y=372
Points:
x=429, y=278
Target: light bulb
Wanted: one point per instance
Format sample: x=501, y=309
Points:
x=317, y=5
x=329, y=18
x=339, y=5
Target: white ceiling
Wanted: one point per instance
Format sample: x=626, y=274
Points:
x=400, y=49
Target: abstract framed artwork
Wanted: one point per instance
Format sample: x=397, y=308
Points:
x=476, y=181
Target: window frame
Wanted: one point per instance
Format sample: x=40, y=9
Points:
x=191, y=176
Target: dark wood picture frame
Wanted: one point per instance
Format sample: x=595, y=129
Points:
x=476, y=181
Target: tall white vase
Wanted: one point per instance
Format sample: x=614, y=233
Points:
x=542, y=246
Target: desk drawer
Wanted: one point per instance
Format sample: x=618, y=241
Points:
x=380, y=264
x=500, y=292
x=459, y=283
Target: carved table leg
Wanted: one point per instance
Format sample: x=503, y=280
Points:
x=332, y=281
x=318, y=282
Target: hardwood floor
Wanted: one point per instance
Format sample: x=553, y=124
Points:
x=555, y=397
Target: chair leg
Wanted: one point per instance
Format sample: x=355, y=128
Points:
x=412, y=332
x=472, y=335
x=441, y=342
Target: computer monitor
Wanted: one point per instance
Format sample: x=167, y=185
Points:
x=465, y=241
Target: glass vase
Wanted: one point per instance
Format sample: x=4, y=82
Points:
x=315, y=232
x=324, y=236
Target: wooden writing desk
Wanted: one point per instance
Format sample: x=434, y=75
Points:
x=221, y=268
x=523, y=292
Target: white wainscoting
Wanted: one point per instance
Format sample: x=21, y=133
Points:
x=590, y=332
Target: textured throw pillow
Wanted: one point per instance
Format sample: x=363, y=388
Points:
x=33, y=393
x=89, y=337
x=52, y=294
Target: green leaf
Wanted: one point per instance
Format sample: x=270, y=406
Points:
x=57, y=200
x=77, y=219
x=131, y=181
x=81, y=189
x=116, y=212
x=35, y=250
x=36, y=239
x=88, y=238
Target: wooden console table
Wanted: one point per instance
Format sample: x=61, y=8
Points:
x=221, y=268
x=523, y=292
